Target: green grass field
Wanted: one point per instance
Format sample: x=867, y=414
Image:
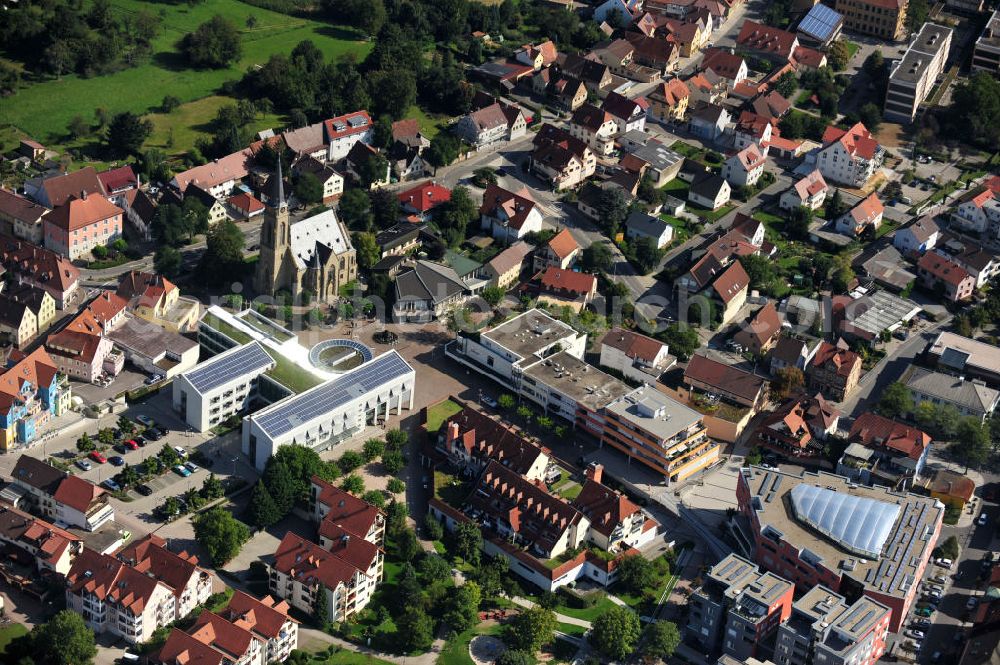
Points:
x=176, y=132
x=44, y=109
x=10, y=632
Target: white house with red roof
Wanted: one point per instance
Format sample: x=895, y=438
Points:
x=729, y=67
x=808, y=192
x=509, y=216
x=636, y=356
x=567, y=287
x=596, y=126
x=245, y=205
x=81, y=348
x=746, y=167
x=938, y=271
x=753, y=129
x=849, y=157
x=344, y=131
x=191, y=584
x=62, y=497
x=867, y=214
x=628, y=113
x=419, y=202
x=560, y=251
x=616, y=523
x=81, y=224
x=217, y=177
x=979, y=214
x=53, y=549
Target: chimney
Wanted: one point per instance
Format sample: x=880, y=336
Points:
x=595, y=472
x=452, y=432
x=514, y=518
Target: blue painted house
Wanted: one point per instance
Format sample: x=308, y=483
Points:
x=31, y=393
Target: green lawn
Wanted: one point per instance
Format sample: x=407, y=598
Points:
x=10, y=632
x=852, y=48
x=711, y=215
x=677, y=188
x=437, y=414
x=587, y=613
x=456, y=651
x=226, y=329
x=571, y=629
x=44, y=109
x=291, y=375
x=347, y=657
x=429, y=125
x=176, y=132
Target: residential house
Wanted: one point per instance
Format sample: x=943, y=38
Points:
x=400, y=240
x=728, y=289
x=41, y=268
x=690, y=35
x=471, y=440
x=542, y=55
x=332, y=182
x=971, y=398
x=808, y=59
x=81, y=350
x=767, y=41
x=799, y=426
x=834, y=371
x=669, y=101
x=969, y=253
x=54, y=191
x=952, y=489
x=560, y=158
x=39, y=301
x=808, y=192
x=979, y=214
x=762, y=332
x=746, y=167
x=597, y=127
x=618, y=13
x=589, y=69
x=939, y=272
x=218, y=177
x=653, y=160
x=244, y=206
x=307, y=142
x=566, y=287
x=659, y=55
x=561, y=251
x=791, y=352
x=109, y=310
x=509, y=215
x=158, y=300
x=190, y=583
x=427, y=291
x=640, y=225
x=31, y=149
x=487, y=126
x=865, y=217
x=636, y=356
x=619, y=55
x=705, y=88
x=141, y=212
x=709, y=122
x=216, y=209
x=729, y=67
x=771, y=105
x=919, y=236
x=884, y=19
x=727, y=381
x=115, y=598
x=31, y=394
x=629, y=114
x=896, y=453
x=616, y=523
x=23, y=215
x=710, y=191
x=504, y=270
x=418, y=203
x=752, y=129
x=57, y=495
x=346, y=131
x=117, y=183
x=80, y=224
x=849, y=157
x=53, y=549
x=18, y=324
x=568, y=92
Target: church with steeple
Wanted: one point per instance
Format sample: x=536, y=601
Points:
x=314, y=254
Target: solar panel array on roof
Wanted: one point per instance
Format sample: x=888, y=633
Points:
x=820, y=22
x=224, y=368
x=857, y=523
x=301, y=409
x=954, y=358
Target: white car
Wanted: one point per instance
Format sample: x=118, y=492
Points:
x=944, y=563
x=915, y=634
x=983, y=519
x=489, y=401
x=181, y=451
x=971, y=603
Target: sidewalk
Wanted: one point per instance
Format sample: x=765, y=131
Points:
x=561, y=618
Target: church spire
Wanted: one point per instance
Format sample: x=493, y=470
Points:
x=281, y=185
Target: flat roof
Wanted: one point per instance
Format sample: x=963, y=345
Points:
x=578, y=380
x=225, y=367
x=929, y=42
x=284, y=416
x=529, y=333
x=651, y=410
x=885, y=311
x=965, y=352
x=903, y=550
x=150, y=340
x=991, y=33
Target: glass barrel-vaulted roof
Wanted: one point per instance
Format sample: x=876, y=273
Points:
x=858, y=524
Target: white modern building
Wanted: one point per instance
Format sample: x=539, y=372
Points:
x=914, y=76
x=849, y=157
x=986, y=53
x=332, y=411
x=220, y=387
x=344, y=131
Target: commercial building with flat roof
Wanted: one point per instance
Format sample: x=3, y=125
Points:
x=913, y=77
x=662, y=433
x=820, y=528
x=885, y=19
x=824, y=628
x=986, y=53
x=966, y=357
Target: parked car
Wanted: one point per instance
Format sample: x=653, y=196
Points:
x=112, y=485
x=141, y=441
x=912, y=645
x=924, y=611
x=83, y=464
x=182, y=471
x=922, y=623
x=192, y=467
x=181, y=451
x=940, y=579
x=152, y=434
x=944, y=563
x=132, y=444
x=983, y=519
x=97, y=457
x=117, y=460
x=934, y=587
x=146, y=420
x=915, y=634
x=121, y=448
x=971, y=603
x=489, y=401
x=144, y=489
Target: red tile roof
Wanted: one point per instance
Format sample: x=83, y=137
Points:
x=20, y=208
x=308, y=563
x=556, y=279
x=248, y=203
x=216, y=172
x=943, y=269
x=484, y=438
x=726, y=378
x=764, y=325
x=867, y=209
x=425, y=196
x=762, y=37
x=110, y=581
x=722, y=62
x=143, y=288
x=107, y=306
x=37, y=368
x=265, y=617
x=213, y=630
x=115, y=180
x=339, y=127
x=60, y=188
x=407, y=128
x=632, y=344
x=515, y=205
x=857, y=140
x=151, y=556
x=810, y=185
x=49, y=541
x=958, y=486
x=671, y=92
x=875, y=431
x=77, y=493
x=563, y=244
x=604, y=507
x=180, y=648
x=809, y=57
x=731, y=282
x=352, y=513
x=78, y=213
x=843, y=360
x=38, y=264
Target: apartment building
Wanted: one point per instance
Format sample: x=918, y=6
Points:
x=81, y=224
x=661, y=433
x=849, y=157
x=220, y=387
x=31, y=393
x=561, y=159
x=471, y=439
x=824, y=628
x=738, y=609
x=914, y=76
x=986, y=53
x=190, y=583
x=344, y=131
x=53, y=549
x=834, y=371
x=24, y=215
x=817, y=528
x=885, y=19
x=937, y=271
x=971, y=398
x=62, y=497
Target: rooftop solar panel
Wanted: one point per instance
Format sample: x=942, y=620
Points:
x=228, y=366
x=294, y=411
x=820, y=22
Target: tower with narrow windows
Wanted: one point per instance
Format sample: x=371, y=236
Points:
x=275, y=241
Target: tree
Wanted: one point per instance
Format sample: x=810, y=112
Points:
x=466, y=541
x=662, y=638
x=433, y=528
x=842, y=279
x=974, y=109
x=871, y=116
x=355, y=208
x=917, y=12
x=262, y=510
x=281, y=485
x=223, y=255
x=896, y=400
x=220, y=534
x=10, y=77
x=353, y=483
x=308, y=189
x=85, y=444
x=372, y=169
x=635, y=573
x=874, y=64
x=443, y=150
x=374, y=497
x=368, y=251
x=168, y=261
x=396, y=439
x=214, y=44
x=515, y=657
x=612, y=209
x=463, y=608
x=615, y=632
x=787, y=84
x=372, y=449
x=597, y=257
x=972, y=442
x=787, y=381
x=506, y=401
x=949, y=548
x=212, y=488
x=415, y=629
x=407, y=545
x=393, y=462
x=395, y=486
x=321, y=609
x=530, y=629
x=454, y=216
x=682, y=340
x=127, y=132
x=835, y=206
x=493, y=295
x=645, y=255
x=64, y=640
x=754, y=456
x=839, y=55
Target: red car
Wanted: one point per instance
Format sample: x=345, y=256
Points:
x=97, y=457
x=131, y=444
